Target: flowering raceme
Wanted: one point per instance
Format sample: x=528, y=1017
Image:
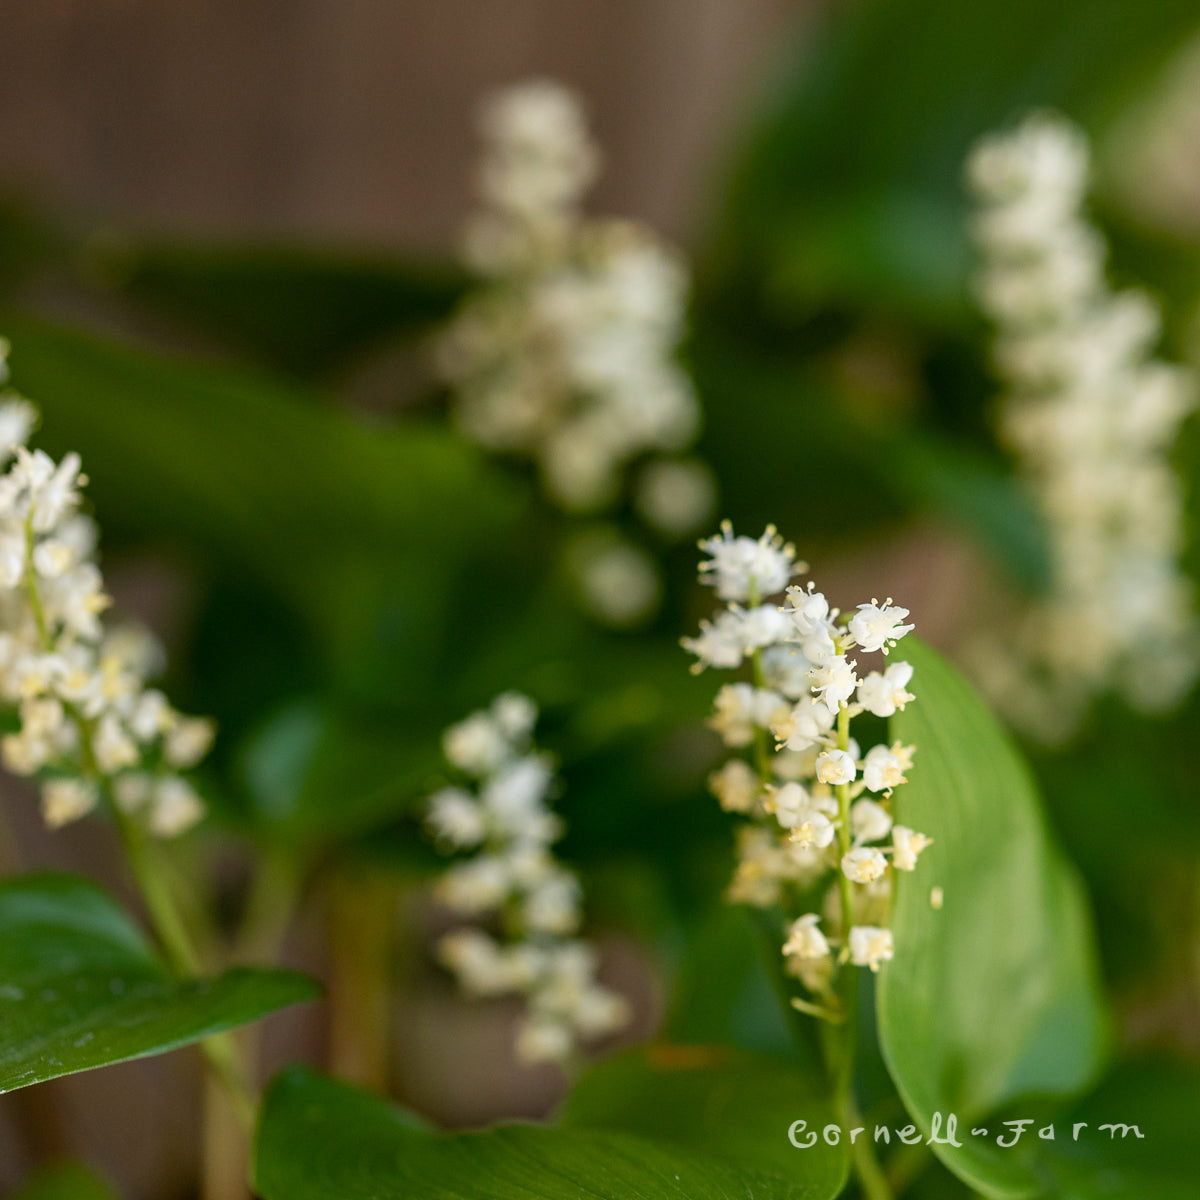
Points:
x=1091, y=418
x=817, y=808
x=88, y=727
x=513, y=881
x=566, y=355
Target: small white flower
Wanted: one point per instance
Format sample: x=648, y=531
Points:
x=599, y=1011
x=742, y=568
x=836, y=767
x=882, y=770
x=805, y=817
x=676, y=495
x=175, y=807
x=882, y=694
x=906, y=845
x=65, y=800
x=785, y=669
x=762, y=626
x=456, y=818
x=476, y=746
x=870, y=946
x=875, y=627
x=736, y=786
x=741, y=709
x=514, y=795
x=477, y=962
x=804, y=725
x=17, y=419
x=51, y=558
x=864, y=864
x=805, y=940
x=554, y=906
x=544, y=1040
x=476, y=886
x=187, y=741
x=733, y=716
x=720, y=643
x=869, y=822
x=515, y=715
x=41, y=719
x=620, y=583
x=807, y=609
x=834, y=681
x=132, y=790
x=151, y=715
x=113, y=747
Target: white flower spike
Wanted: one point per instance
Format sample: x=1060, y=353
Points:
x=507, y=821
x=78, y=689
x=798, y=790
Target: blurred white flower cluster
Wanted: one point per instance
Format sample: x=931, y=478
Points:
x=531, y=903
x=816, y=805
x=566, y=354
x=1091, y=417
x=87, y=724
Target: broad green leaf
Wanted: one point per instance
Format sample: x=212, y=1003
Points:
x=302, y=310
x=719, y=1102
x=318, y=1138
x=63, y=1181
x=1160, y=1099
x=317, y=503
x=724, y=990
x=852, y=190
x=994, y=997
x=81, y=988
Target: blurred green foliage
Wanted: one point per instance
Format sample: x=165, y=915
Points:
x=360, y=582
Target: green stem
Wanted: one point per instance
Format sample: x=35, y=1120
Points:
x=866, y=1166
x=762, y=750
x=270, y=907
x=219, y=1050
x=164, y=916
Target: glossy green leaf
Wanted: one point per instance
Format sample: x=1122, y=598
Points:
x=302, y=310
x=318, y=1138
x=81, y=988
x=994, y=997
x=315, y=502
x=63, y=1181
x=719, y=1102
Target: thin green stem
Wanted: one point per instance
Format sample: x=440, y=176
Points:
x=270, y=907
x=31, y=589
x=866, y=1166
x=219, y=1050
x=762, y=749
x=164, y=915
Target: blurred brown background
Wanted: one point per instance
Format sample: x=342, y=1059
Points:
x=349, y=123
x=351, y=120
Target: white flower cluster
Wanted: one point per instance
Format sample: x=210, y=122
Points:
x=1092, y=418
x=87, y=724
x=817, y=805
x=513, y=880
x=566, y=355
